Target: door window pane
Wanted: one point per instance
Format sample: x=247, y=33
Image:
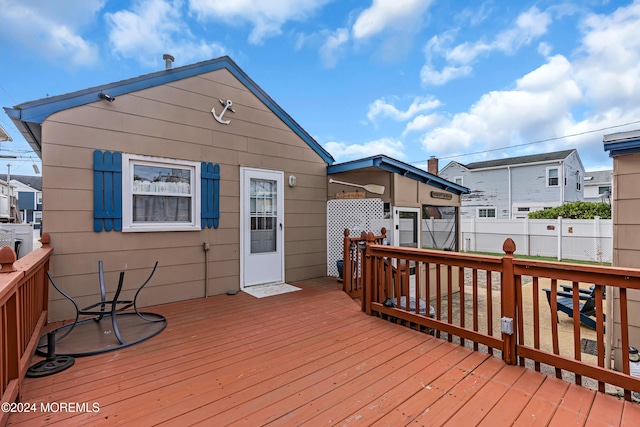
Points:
x=263, y=201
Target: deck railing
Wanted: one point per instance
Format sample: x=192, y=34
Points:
x=499, y=306
x=23, y=313
x=352, y=263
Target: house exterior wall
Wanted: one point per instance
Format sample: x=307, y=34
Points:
x=398, y=190
x=626, y=244
x=174, y=121
x=508, y=188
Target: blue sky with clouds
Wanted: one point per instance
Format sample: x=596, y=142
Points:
x=464, y=80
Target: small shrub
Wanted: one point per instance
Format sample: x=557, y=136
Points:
x=575, y=210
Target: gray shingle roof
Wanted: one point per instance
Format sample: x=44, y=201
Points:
x=32, y=181
x=533, y=158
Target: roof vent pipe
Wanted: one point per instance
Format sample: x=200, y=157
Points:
x=168, y=60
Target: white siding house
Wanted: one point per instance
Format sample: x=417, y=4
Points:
x=597, y=186
x=513, y=187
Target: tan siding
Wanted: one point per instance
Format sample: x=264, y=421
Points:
x=175, y=121
x=626, y=246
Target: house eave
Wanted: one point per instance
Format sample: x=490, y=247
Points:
x=28, y=117
x=395, y=166
x=621, y=143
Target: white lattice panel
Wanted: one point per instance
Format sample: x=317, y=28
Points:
x=357, y=215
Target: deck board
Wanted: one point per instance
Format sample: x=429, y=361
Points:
x=308, y=357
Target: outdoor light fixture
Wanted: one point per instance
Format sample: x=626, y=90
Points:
x=106, y=97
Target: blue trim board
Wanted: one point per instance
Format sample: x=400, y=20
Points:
x=617, y=148
x=396, y=166
x=29, y=116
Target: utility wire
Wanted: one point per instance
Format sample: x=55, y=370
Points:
x=7, y=93
x=533, y=142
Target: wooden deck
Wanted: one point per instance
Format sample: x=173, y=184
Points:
x=309, y=357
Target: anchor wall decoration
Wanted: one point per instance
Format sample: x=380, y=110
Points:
x=227, y=106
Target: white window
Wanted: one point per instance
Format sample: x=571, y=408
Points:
x=578, y=181
x=486, y=212
x=39, y=198
x=458, y=180
x=37, y=217
x=552, y=177
x=160, y=194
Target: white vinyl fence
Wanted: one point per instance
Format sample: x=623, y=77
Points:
x=588, y=240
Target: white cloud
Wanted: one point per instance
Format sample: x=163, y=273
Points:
x=432, y=77
x=154, y=27
x=539, y=106
x=597, y=89
x=52, y=30
x=422, y=122
x=267, y=17
x=529, y=26
x=333, y=47
x=609, y=68
x=381, y=108
x=387, y=146
x=384, y=14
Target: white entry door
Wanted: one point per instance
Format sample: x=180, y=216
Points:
x=261, y=227
x=406, y=227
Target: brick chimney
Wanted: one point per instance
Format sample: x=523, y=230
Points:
x=432, y=165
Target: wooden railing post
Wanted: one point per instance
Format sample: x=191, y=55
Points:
x=346, y=263
x=509, y=303
x=7, y=258
x=367, y=275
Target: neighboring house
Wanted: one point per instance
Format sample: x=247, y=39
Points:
x=513, y=187
x=195, y=167
x=28, y=190
x=597, y=186
x=624, y=147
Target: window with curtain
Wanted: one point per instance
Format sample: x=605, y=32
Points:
x=160, y=194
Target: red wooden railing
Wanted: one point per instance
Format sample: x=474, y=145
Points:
x=496, y=315
x=23, y=313
x=352, y=263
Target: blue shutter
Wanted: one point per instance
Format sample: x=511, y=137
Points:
x=107, y=191
x=210, y=195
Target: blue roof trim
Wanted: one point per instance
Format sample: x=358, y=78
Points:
x=620, y=147
x=396, y=166
x=29, y=116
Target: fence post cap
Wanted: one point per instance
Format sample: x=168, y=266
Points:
x=7, y=258
x=509, y=247
x=45, y=240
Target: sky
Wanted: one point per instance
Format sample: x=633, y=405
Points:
x=463, y=81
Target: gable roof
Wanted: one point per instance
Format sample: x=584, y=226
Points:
x=32, y=181
x=598, y=177
x=511, y=161
x=396, y=166
x=28, y=117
